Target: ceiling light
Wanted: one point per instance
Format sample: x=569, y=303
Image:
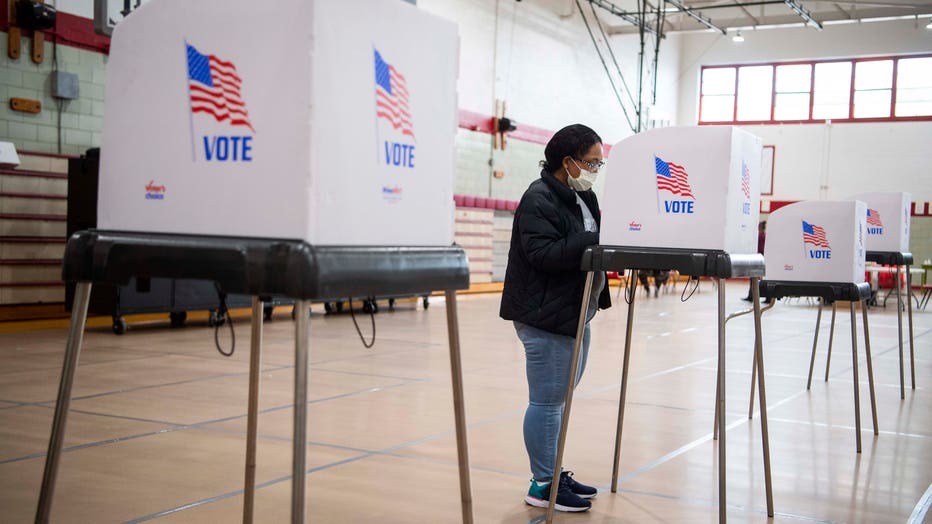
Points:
x=737, y=38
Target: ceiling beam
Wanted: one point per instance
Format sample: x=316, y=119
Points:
x=798, y=9
x=696, y=16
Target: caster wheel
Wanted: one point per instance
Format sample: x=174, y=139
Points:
x=178, y=318
x=267, y=313
x=119, y=326
x=328, y=307
x=426, y=303
x=391, y=303
x=367, y=307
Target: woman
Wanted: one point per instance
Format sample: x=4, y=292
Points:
x=558, y=217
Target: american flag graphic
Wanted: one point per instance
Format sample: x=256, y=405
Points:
x=215, y=88
x=815, y=235
x=873, y=218
x=391, y=96
x=672, y=178
x=745, y=180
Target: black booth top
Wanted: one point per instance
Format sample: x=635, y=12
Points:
x=265, y=267
x=692, y=262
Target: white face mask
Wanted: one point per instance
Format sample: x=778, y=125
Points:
x=583, y=182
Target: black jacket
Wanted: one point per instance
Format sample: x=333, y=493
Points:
x=543, y=280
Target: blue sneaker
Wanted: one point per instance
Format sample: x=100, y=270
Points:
x=580, y=490
x=538, y=495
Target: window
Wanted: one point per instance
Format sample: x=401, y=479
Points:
x=793, y=87
x=914, y=87
x=889, y=88
x=754, y=87
x=718, y=94
x=873, y=84
x=832, y=90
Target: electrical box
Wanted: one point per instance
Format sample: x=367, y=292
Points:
x=337, y=128
x=64, y=85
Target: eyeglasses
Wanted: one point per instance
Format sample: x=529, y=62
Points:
x=593, y=166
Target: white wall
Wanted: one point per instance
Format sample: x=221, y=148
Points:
x=547, y=70
x=825, y=161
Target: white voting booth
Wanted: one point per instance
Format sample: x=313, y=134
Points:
x=315, y=161
x=888, y=221
x=818, y=249
x=338, y=129
x=683, y=198
x=817, y=242
x=684, y=187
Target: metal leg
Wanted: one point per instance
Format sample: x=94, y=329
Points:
x=831, y=338
x=815, y=342
x=753, y=385
x=302, y=325
x=870, y=365
x=82, y=297
x=624, y=388
x=721, y=402
x=568, y=402
x=909, y=310
x=854, y=359
x=252, y=417
x=899, y=328
x=759, y=367
x=459, y=410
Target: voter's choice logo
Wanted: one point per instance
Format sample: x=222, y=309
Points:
x=155, y=191
x=215, y=91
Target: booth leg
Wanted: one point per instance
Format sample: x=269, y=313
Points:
x=624, y=386
x=255, y=359
x=899, y=329
x=759, y=368
x=568, y=402
x=815, y=342
x=459, y=410
x=909, y=315
x=302, y=328
x=82, y=297
x=753, y=387
x=831, y=339
x=722, y=507
x=854, y=359
x=870, y=365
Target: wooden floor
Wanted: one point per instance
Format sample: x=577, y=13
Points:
x=157, y=426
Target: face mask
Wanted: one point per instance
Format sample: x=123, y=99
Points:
x=583, y=182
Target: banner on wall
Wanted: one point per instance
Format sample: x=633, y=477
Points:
x=331, y=133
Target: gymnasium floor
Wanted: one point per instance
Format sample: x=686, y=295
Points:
x=157, y=428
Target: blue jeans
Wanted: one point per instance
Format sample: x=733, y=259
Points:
x=548, y=368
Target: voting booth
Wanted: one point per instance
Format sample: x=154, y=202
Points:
x=817, y=242
x=685, y=188
x=314, y=162
x=888, y=220
x=818, y=249
x=683, y=198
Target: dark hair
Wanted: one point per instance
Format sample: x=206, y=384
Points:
x=571, y=141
